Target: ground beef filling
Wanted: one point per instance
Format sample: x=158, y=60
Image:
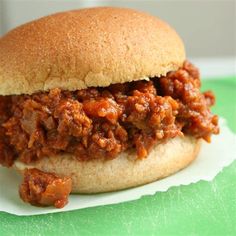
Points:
x=45, y=189
x=102, y=122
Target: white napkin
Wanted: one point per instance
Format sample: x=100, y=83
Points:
x=212, y=159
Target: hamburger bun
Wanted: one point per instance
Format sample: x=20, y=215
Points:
x=125, y=171
x=89, y=47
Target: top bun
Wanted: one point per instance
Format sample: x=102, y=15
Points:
x=84, y=48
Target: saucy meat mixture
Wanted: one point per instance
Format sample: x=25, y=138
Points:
x=103, y=122
x=45, y=189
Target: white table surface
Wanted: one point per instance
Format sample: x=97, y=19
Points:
x=213, y=68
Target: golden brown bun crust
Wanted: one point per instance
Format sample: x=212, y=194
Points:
x=122, y=172
x=89, y=47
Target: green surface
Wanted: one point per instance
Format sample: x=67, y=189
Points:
x=204, y=208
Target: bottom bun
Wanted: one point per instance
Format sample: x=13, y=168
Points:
x=124, y=171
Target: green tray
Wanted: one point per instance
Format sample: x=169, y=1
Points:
x=204, y=208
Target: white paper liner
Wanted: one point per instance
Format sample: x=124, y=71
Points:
x=212, y=159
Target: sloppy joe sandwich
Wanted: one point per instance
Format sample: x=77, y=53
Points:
x=98, y=100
